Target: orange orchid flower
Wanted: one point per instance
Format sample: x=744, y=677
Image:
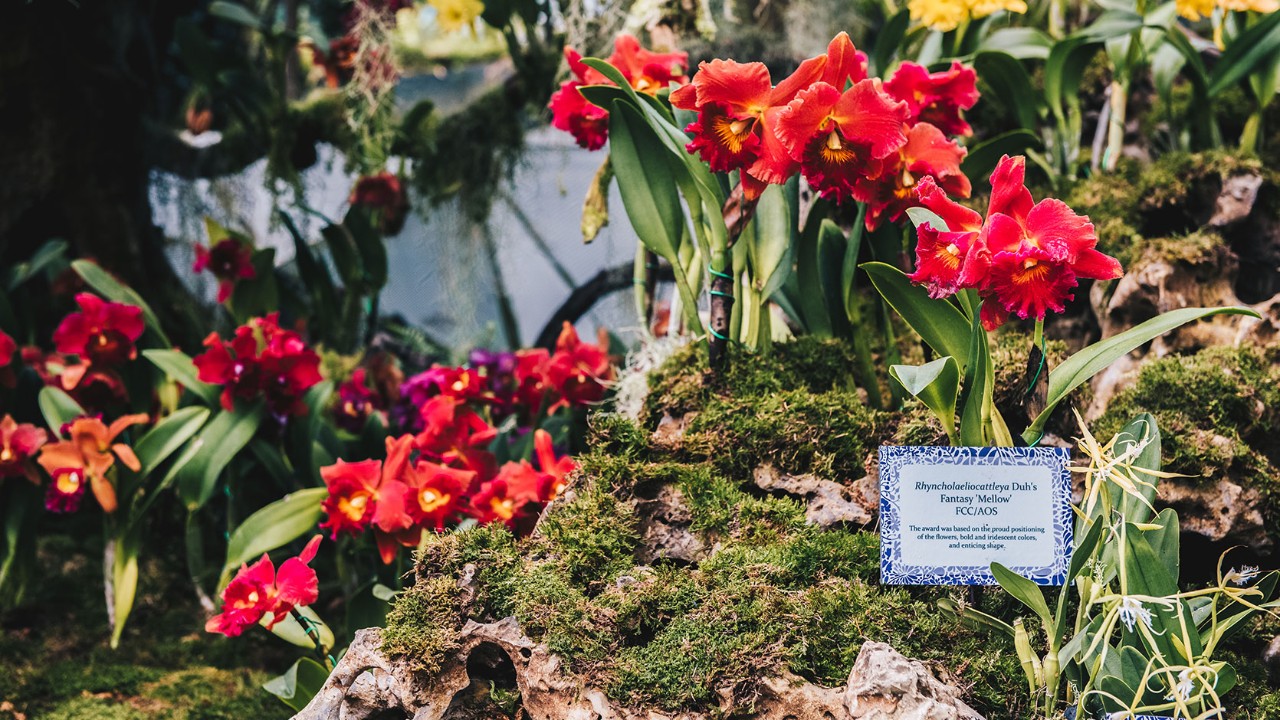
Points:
x=89, y=452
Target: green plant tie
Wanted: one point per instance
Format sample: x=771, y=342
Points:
x=309, y=627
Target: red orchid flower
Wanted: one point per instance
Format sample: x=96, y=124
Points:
x=355, y=402
x=363, y=493
x=230, y=259
x=435, y=494
x=941, y=254
x=102, y=332
x=88, y=453
x=262, y=359
x=555, y=471
x=578, y=371
x=258, y=589
x=18, y=444
x=530, y=377
x=452, y=431
x=382, y=194
x=7, y=349
x=1027, y=258
x=1032, y=256
x=645, y=70
x=936, y=98
x=495, y=502
x=739, y=111
x=840, y=138
x=927, y=153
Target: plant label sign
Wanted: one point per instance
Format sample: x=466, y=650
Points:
x=947, y=513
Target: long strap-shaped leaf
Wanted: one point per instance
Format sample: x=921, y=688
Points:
x=939, y=323
x=1090, y=361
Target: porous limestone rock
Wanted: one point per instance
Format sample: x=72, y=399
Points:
x=827, y=503
x=368, y=684
x=1222, y=512
x=885, y=685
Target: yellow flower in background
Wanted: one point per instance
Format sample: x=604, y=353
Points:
x=945, y=15
x=983, y=8
x=942, y=15
x=454, y=15
x=1258, y=6
x=1194, y=9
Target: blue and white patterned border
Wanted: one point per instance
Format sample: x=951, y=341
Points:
x=893, y=458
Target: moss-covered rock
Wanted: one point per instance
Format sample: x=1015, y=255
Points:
x=773, y=595
x=1218, y=411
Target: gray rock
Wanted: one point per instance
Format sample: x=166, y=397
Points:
x=885, y=685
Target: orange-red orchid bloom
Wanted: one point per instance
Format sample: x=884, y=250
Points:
x=842, y=138
x=740, y=110
x=88, y=453
x=927, y=153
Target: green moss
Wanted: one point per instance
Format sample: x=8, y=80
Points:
x=57, y=663
x=594, y=534
x=808, y=363
x=827, y=433
x=1218, y=415
x=423, y=624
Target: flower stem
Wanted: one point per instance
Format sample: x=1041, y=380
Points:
x=1037, y=339
x=310, y=629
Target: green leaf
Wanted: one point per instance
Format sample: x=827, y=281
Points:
x=1063, y=69
x=975, y=618
x=303, y=431
x=649, y=192
x=939, y=323
x=773, y=252
x=179, y=366
x=292, y=632
x=298, y=684
x=342, y=247
x=273, y=526
x=236, y=13
x=1023, y=43
x=57, y=407
x=370, y=245
x=1248, y=52
x=217, y=444
x=810, y=303
x=124, y=583
x=167, y=436
x=1140, y=429
x=936, y=384
x=315, y=277
x=1078, y=368
x=1024, y=591
x=1009, y=81
x=111, y=289
x=47, y=254
x=983, y=158
x=258, y=295
x=1110, y=24
x=888, y=40
x=1085, y=547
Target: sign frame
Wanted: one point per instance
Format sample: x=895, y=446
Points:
x=892, y=458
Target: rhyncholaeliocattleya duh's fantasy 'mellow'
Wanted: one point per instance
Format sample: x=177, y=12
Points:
x=1025, y=258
